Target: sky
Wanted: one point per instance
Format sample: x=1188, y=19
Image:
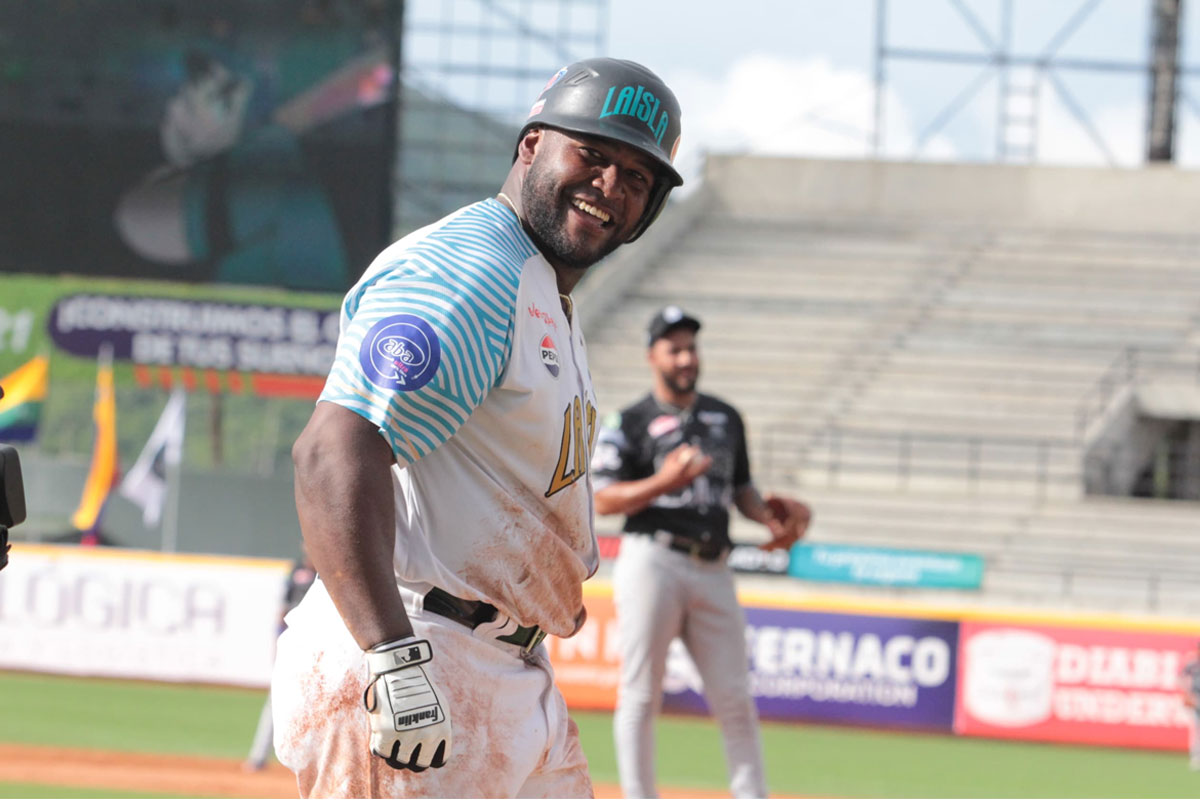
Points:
x=796, y=77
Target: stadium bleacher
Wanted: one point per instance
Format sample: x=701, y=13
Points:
x=927, y=377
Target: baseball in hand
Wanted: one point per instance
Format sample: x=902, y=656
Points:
x=687, y=461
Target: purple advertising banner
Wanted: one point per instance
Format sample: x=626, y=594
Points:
x=890, y=671
x=204, y=334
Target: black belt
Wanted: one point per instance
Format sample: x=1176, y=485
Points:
x=474, y=613
x=705, y=551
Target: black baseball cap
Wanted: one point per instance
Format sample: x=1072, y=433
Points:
x=668, y=319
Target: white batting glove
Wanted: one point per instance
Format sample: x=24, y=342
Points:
x=410, y=724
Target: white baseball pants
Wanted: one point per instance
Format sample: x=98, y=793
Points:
x=511, y=733
x=661, y=594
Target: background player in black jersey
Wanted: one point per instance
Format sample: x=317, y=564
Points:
x=673, y=463
x=299, y=580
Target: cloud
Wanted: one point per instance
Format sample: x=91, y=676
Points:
x=772, y=106
x=775, y=106
x=1062, y=139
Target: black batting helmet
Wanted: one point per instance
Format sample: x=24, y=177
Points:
x=619, y=100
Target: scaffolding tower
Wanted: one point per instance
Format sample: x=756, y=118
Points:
x=1023, y=78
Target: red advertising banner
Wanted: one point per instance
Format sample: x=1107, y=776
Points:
x=586, y=666
x=1078, y=685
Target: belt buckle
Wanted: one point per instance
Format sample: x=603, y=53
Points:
x=534, y=640
x=694, y=549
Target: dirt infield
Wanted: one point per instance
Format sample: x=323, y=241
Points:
x=182, y=775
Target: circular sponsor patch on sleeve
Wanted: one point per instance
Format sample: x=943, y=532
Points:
x=400, y=352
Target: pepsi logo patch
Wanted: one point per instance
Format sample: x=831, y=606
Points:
x=400, y=352
x=549, y=354
x=660, y=426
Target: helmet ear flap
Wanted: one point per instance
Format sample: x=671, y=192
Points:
x=654, y=207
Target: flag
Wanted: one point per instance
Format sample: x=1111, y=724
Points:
x=146, y=482
x=21, y=406
x=103, y=473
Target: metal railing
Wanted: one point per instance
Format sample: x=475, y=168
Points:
x=908, y=455
x=1126, y=368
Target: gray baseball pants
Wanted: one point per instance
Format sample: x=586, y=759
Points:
x=661, y=594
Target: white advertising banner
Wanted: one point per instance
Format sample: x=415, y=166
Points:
x=140, y=614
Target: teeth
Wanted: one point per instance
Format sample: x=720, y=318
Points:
x=591, y=209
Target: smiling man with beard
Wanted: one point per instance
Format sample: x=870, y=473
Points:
x=442, y=483
x=673, y=464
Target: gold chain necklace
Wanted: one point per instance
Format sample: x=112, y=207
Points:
x=511, y=205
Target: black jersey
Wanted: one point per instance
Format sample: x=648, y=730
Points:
x=299, y=582
x=633, y=444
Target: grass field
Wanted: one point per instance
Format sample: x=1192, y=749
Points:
x=801, y=760
x=48, y=790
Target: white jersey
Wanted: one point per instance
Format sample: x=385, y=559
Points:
x=456, y=345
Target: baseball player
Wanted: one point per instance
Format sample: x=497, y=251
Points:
x=443, y=483
x=1189, y=687
x=299, y=581
x=673, y=463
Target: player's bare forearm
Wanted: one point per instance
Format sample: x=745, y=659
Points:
x=680, y=467
x=346, y=509
x=751, y=504
x=630, y=497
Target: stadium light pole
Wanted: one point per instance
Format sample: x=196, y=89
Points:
x=1163, y=89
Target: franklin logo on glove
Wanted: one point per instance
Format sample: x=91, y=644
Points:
x=401, y=698
x=417, y=719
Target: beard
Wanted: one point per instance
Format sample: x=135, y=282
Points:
x=546, y=214
x=681, y=384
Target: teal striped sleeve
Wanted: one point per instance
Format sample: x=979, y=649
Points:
x=425, y=343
